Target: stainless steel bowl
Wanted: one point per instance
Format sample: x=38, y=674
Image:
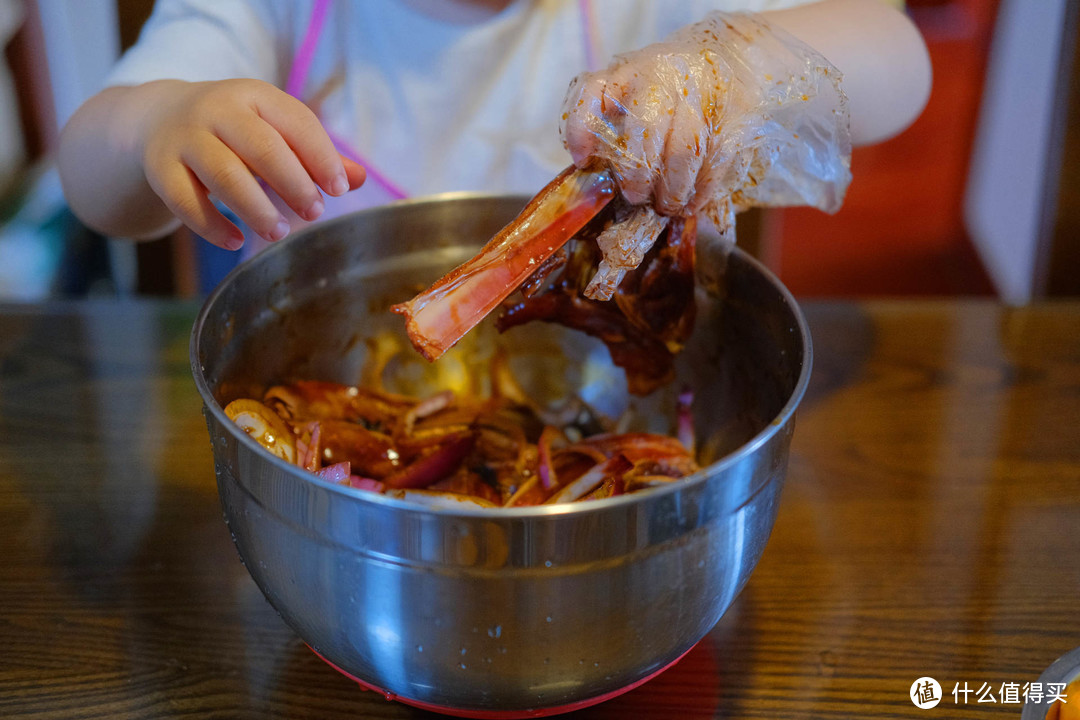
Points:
x=479, y=610
x=1061, y=673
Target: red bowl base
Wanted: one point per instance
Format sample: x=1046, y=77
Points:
x=502, y=714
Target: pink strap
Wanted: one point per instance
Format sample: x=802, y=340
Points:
x=588, y=32
x=302, y=62
x=298, y=75
x=372, y=172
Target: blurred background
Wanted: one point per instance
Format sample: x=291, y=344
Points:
x=981, y=197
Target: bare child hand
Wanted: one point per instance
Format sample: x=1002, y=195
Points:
x=195, y=140
x=216, y=137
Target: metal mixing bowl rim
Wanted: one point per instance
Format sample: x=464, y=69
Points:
x=1065, y=669
x=534, y=511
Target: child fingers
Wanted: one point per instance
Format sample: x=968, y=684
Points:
x=579, y=127
x=354, y=171
x=603, y=118
x=309, y=141
x=226, y=177
x=186, y=198
x=683, y=155
x=267, y=154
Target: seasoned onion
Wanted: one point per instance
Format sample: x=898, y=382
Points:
x=265, y=426
x=449, y=449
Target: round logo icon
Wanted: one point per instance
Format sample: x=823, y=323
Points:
x=925, y=693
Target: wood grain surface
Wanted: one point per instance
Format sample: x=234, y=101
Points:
x=930, y=526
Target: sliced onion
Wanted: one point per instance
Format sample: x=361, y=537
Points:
x=683, y=405
x=525, y=489
x=546, y=469
x=587, y=482
x=635, y=446
x=265, y=426
x=426, y=407
x=647, y=481
x=434, y=466
x=580, y=448
x=309, y=452
x=438, y=500
x=336, y=473
x=363, y=483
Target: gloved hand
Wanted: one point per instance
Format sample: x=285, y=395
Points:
x=724, y=114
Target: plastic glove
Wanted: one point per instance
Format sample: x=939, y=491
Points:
x=723, y=115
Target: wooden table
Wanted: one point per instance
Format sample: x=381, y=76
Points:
x=930, y=527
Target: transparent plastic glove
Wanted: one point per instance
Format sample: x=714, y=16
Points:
x=723, y=115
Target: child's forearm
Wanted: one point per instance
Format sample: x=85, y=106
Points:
x=882, y=55
x=101, y=168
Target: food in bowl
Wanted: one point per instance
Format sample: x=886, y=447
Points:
x=446, y=449
x=622, y=274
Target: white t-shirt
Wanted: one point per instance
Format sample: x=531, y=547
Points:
x=434, y=106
